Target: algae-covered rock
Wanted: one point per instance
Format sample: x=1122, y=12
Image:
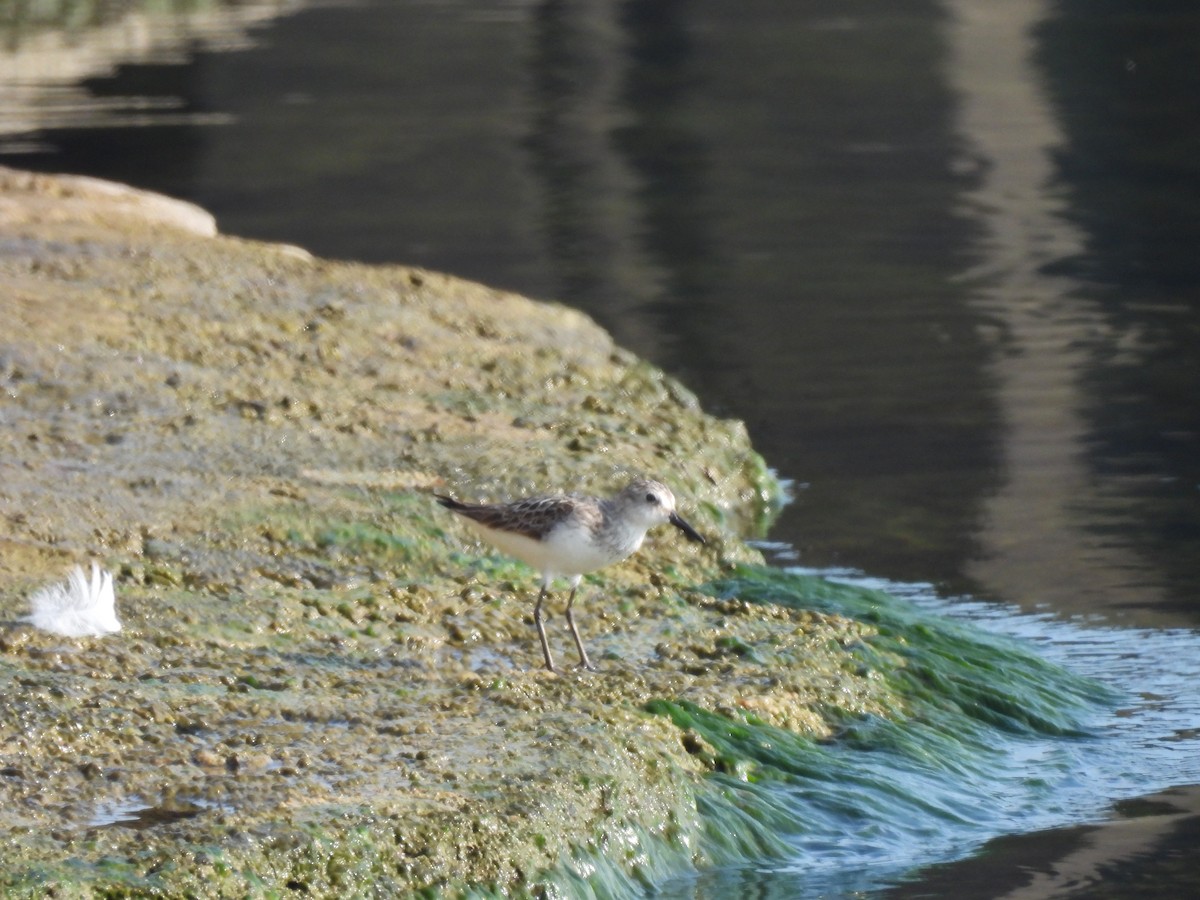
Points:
x=322, y=683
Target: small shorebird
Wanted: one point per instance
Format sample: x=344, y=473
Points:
x=566, y=535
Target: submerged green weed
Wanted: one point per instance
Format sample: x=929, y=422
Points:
x=942, y=667
x=975, y=705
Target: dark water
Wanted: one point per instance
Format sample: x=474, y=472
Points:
x=940, y=257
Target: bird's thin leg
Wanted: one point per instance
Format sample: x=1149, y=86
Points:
x=537, y=620
x=583, y=657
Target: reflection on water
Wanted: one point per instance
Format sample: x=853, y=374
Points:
x=947, y=283
x=1152, y=843
x=1150, y=743
x=1040, y=543
x=48, y=51
x=1127, y=95
x=939, y=256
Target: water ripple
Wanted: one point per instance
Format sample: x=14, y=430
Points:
x=886, y=798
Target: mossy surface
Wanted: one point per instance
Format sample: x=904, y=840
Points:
x=323, y=683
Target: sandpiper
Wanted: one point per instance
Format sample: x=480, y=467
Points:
x=566, y=535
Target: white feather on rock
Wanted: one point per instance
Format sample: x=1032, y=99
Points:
x=80, y=608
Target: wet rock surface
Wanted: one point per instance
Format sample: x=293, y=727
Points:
x=323, y=683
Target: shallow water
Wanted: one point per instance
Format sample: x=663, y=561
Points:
x=866, y=810
x=940, y=257
x=1148, y=743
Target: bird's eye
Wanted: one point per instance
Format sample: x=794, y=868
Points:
x=650, y=498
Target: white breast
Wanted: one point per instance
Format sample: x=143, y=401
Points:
x=567, y=550
x=575, y=551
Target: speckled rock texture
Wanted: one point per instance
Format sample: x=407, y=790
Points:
x=323, y=684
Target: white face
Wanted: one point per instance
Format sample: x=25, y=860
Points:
x=650, y=502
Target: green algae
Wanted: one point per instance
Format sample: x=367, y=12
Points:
x=924, y=770
x=322, y=680
x=963, y=682
x=324, y=684
x=938, y=665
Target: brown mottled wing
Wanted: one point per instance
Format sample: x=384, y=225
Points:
x=532, y=518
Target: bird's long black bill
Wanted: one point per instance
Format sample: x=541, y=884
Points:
x=692, y=533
